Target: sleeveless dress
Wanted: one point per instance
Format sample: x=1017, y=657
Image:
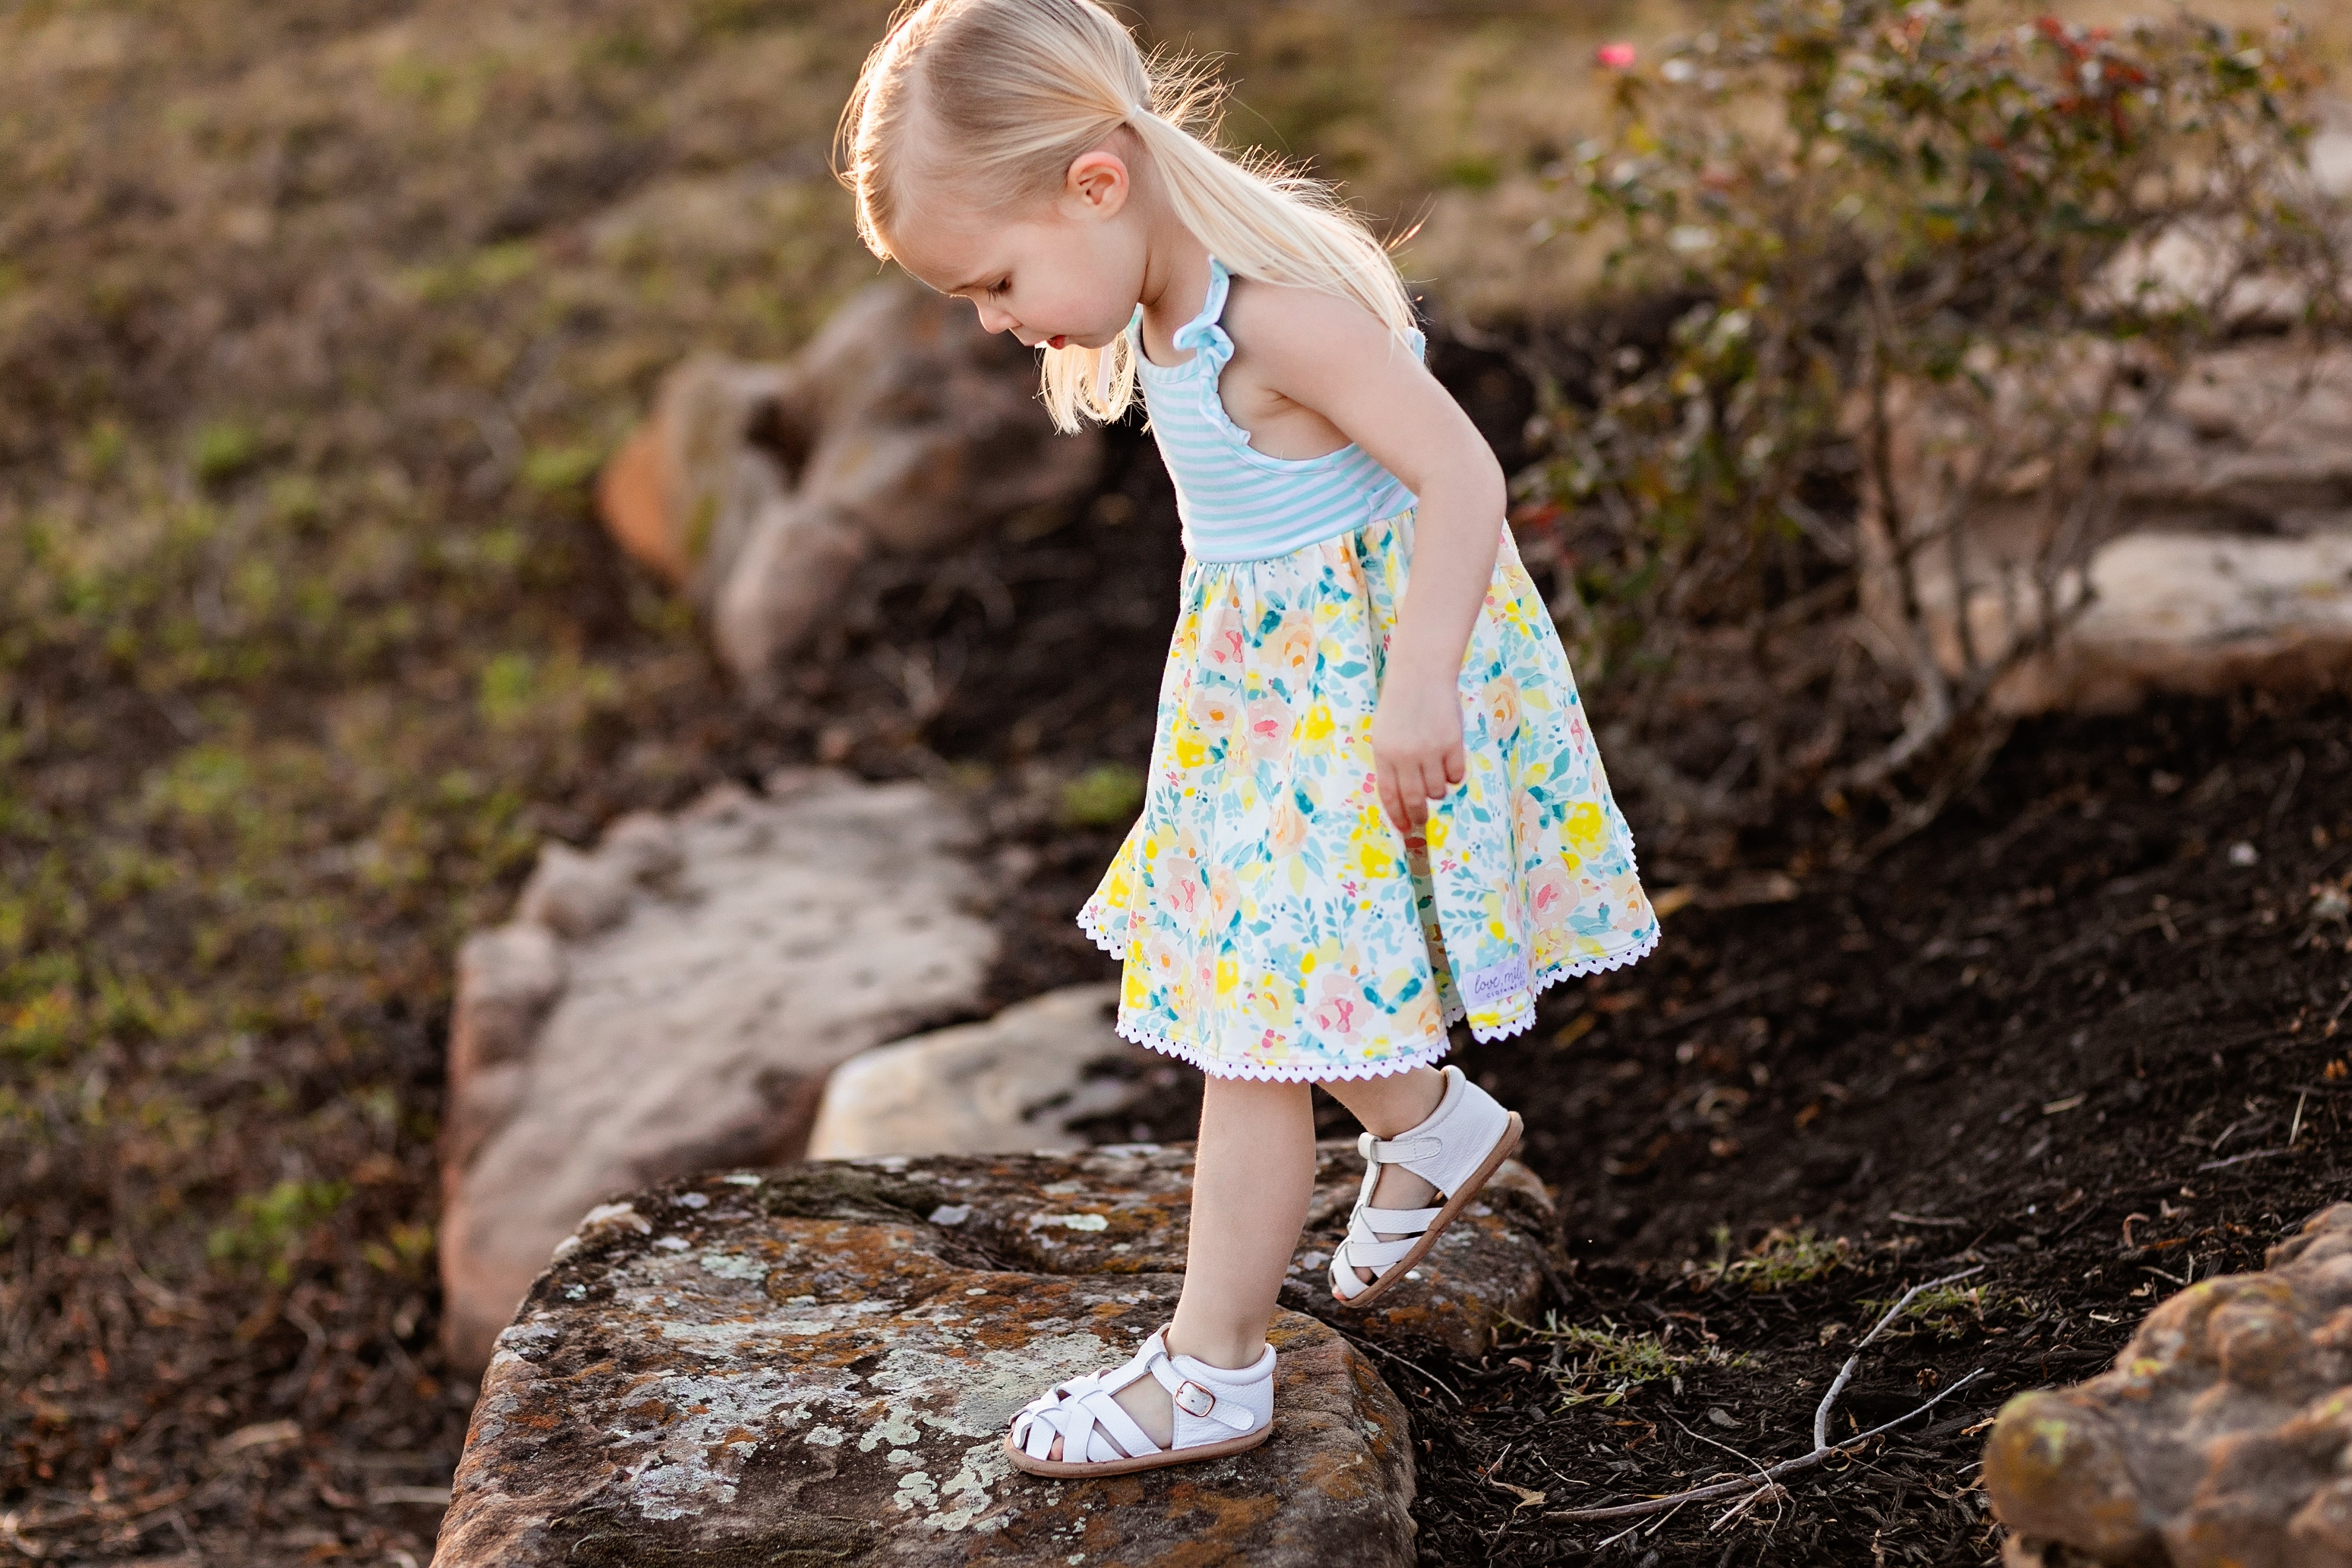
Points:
x=1272, y=922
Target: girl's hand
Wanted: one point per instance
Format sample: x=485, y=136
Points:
x=1417, y=753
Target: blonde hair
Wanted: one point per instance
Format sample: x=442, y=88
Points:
x=1021, y=89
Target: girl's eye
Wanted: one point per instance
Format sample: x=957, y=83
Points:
x=1000, y=286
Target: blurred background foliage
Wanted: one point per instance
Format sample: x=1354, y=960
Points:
x=1822, y=214
x=316, y=321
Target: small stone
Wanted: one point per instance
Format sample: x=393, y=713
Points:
x=574, y=895
x=1029, y=1078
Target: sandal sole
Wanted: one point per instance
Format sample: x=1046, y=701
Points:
x=1067, y=1470
x=1505, y=1147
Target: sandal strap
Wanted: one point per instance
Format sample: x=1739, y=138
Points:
x=1404, y=1151
x=1095, y=1428
x=1446, y=1150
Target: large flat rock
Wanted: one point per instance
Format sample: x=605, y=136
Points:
x=817, y=1365
x=2227, y=562
x=673, y=1000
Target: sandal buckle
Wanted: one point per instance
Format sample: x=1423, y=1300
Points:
x=1194, y=1400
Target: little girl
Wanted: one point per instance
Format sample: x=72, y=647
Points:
x=1372, y=809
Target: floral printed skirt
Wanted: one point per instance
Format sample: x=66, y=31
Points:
x=1273, y=923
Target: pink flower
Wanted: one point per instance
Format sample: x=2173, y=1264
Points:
x=1549, y=892
x=1617, y=56
x=1184, y=897
x=1337, y=1016
x=1269, y=727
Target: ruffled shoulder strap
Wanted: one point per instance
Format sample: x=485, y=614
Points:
x=1202, y=334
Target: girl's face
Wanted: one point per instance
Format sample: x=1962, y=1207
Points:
x=1062, y=272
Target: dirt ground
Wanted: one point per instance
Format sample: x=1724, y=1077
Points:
x=314, y=323
x=2086, y=1037
x=2107, y=987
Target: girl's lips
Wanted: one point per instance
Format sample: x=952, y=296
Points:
x=1059, y=341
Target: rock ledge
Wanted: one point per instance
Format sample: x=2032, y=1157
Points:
x=818, y=1363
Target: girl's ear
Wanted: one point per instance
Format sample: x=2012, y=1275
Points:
x=1097, y=184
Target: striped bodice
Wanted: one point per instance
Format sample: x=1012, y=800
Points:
x=1236, y=503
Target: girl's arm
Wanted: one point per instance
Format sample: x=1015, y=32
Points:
x=1332, y=356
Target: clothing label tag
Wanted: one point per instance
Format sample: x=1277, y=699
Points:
x=1495, y=982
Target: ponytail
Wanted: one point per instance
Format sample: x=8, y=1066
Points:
x=1020, y=89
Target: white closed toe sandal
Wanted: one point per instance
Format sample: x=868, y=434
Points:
x=1218, y=1412
x=1460, y=1144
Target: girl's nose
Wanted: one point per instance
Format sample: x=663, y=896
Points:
x=993, y=319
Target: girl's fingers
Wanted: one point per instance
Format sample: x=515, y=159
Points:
x=1409, y=784
x=1457, y=763
x=1391, y=793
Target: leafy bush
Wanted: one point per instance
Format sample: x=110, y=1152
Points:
x=1847, y=218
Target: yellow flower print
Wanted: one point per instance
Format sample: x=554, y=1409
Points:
x=1372, y=839
x=1229, y=977
x=1271, y=1001
x=1315, y=729
x=1586, y=828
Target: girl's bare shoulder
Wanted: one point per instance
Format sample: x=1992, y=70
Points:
x=1289, y=329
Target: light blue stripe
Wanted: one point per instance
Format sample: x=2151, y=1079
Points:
x=1236, y=503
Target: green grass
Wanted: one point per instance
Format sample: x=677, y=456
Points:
x=1106, y=796
x=1950, y=1312
x=1782, y=1260
x=1603, y=1365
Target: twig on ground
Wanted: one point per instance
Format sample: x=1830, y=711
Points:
x=1738, y=1488
x=1846, y=1373
x=1763, y=1484
x=1770, y=1491
x=1822, y=1449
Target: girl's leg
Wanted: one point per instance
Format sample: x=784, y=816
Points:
x=1253, y=1177
x=1386, y=1106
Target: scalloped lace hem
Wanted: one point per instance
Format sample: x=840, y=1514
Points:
x=1520, y=1022
x=1429, y=1055
x=1525, y=1019
x=1091, y=924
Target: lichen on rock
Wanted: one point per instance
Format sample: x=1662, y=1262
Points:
x=2221, y=1438
x=802, y=1366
